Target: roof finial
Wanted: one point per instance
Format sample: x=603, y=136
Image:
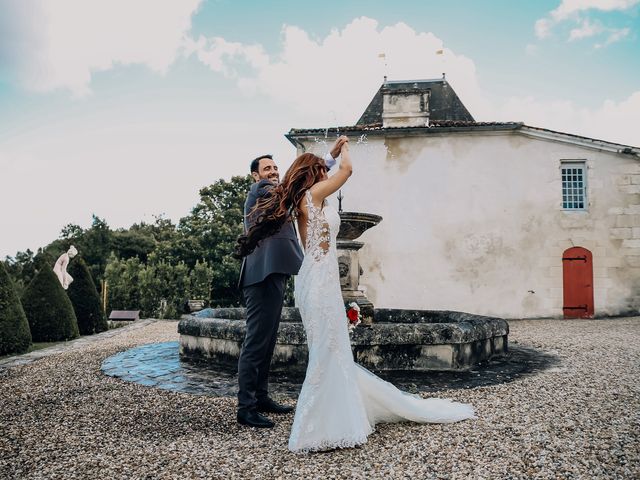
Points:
x=385, y=79
x=444, y=75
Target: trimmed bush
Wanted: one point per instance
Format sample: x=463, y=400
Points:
x=48, y=308
x=85, y=299
x=15, y=336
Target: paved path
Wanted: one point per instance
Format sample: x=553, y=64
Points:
x=71, y=345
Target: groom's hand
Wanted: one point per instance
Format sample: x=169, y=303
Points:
x=337, y=146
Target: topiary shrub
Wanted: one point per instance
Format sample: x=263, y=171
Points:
x=48, y=308
x=15, y=336
x=85, y=299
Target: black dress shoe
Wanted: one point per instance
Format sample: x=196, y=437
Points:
x=269, y=406
x=252, y=418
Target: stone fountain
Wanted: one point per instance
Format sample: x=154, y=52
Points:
x=354, y=224
x=387, y=340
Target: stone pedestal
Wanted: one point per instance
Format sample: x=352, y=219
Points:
x=354, y=224
x=350, y=272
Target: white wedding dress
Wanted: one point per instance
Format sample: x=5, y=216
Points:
x=340, y=401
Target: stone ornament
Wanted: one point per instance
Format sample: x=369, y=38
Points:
x=60, y=267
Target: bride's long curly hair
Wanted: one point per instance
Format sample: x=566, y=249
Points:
x=273, y=210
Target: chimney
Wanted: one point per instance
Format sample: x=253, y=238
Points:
x=405, y=105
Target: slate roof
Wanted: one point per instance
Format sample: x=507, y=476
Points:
x=461, y=126
x=447, y=113
x=444, y=103
x=434, y=127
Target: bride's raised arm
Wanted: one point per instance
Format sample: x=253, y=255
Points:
x=323, y=189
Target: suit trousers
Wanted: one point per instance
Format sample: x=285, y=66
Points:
x=264, y=306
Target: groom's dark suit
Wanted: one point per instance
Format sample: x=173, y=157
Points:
x=263, y=276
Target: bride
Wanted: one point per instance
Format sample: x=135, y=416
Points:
x=340, y=401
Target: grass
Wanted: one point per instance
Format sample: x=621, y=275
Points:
x=40, y=345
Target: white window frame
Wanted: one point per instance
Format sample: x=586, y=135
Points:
x=573, y=178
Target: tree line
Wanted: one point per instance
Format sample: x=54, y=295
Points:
x=155, y=267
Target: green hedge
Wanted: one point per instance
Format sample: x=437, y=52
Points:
x=15, y=336
x=48, y=308
x=85, y=299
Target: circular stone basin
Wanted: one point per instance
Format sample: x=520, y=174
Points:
x=354, y=224
x=397, y=340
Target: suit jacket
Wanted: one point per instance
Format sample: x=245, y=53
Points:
x=279, y=253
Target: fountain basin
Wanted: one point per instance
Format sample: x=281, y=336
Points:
x=354, y=224
x=397, y=340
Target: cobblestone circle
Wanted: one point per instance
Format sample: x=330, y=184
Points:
x=159, y=365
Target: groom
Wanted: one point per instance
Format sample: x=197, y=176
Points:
x=263, y=277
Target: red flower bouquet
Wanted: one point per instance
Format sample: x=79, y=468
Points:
x=353, y=315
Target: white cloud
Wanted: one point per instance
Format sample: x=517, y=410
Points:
x=542, y=27
x=334, y=78
x=60, y=43
x=586, y=29
x=331, y=80
x=611, y=121
x=570, y=10
x=220, y=55
x=615, y=36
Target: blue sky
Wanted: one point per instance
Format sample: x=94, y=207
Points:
x=493, y=33
x=125, y=109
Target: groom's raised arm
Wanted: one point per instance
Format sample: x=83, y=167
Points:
x=258, y=190
x=263, y=187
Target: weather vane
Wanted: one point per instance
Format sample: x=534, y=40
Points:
x=340, y=197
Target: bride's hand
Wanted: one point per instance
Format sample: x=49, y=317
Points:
x=345, y=157
x=335, y=150
x=323, y=189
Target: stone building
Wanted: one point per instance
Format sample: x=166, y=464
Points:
x=495, y=218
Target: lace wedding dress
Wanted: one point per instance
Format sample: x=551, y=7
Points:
x=340, y=401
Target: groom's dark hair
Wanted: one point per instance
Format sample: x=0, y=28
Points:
x=255, y=163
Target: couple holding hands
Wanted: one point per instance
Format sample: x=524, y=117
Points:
x=340, y=401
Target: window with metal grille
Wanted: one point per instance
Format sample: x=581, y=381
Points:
x=574, y=189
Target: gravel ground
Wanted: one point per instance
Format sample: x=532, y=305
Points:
x=61, y=417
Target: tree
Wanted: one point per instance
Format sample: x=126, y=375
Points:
x=21, y=269
x=162, y=229
x=133, y=243
x=163, y=288
x=71, y=232
x=210, y=232
x=123, y=280
x=96, y=245
x=206, y=236
x=158, y=289
x=200, y=279
x=15, y=336
x=85, y=299
x=48, y=308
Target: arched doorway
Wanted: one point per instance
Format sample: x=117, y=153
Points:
x=577, y=281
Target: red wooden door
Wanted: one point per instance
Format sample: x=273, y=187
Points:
x=577, y=276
